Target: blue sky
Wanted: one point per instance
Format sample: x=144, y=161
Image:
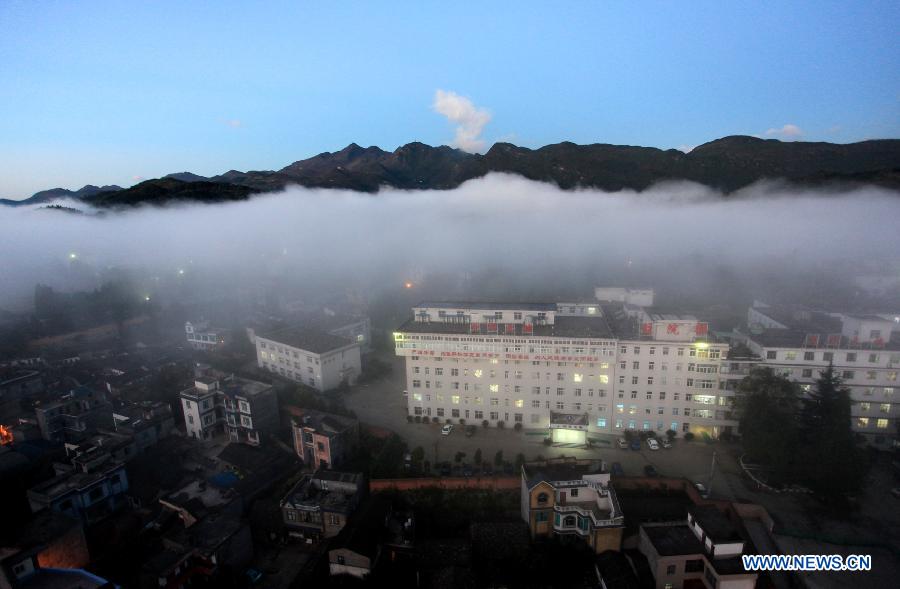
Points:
x=109, y=92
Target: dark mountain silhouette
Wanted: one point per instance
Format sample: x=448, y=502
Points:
x=726, y=164
x=54, y=193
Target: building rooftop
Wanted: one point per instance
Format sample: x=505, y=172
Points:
x=235, y=386
x=324, y=423
x=72, y=481
x=308, y=338
x=313, y=491
x=714, y=523
x=488, y=306
x=560, y=469
x=673, y=540
x=563, y=326
x=797, y=338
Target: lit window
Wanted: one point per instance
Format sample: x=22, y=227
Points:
x=454, y=399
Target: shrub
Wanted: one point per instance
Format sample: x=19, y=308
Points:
x=448, y=421
x=518, y=426
x=500, y=424
x=409, y=419
x=689, y=436
x=462, y=421
x=671, y=434
x=485, y=424
x=418, y=418
x=435, y=419
x=547, y=441
x=726, y=437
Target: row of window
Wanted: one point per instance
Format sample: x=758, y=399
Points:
x=789, y=355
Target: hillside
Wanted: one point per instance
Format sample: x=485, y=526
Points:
x=726, y=164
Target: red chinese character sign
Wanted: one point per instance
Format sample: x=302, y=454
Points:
x=701, y=329
x=474, y=327
x=672, y=328
x=646, y=328
x=527, y=328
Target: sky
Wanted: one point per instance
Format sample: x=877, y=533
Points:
x=115, y=92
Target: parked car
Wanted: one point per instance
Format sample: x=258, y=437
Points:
x=666, y=443
x=405, y=393
x=701, y=488
x=652, y=444
x=623, y=443
x=447, y=429
x=636, y=445
x=487, y=470
x=650, y=471
x=467, y=470
x=617, y=469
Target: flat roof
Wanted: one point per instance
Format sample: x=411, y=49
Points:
x=488, y=306
x=714, y=523
x=673, y=540
x=563, y=327
x=558, y=470
x=309, y=339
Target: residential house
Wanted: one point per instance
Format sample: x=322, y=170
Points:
x=569, y=497
x=324, y=440
x=319, y=505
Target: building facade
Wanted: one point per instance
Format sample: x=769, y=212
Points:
x=200, y=336
x=88, y=496
x=619, y=364
x=315, y=358
x=320, y=504
x=799, y=344
x=245, y=410
x=567, y=497
x=324, y=440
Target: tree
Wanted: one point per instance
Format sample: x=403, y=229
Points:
x=418, y=454
x=832, y=463
x=477, y=457
x=520, y=461
x=485, y=424
x=671, y=434
x=498, y=458
x=768, y=406
x=459, y=457
x=518, y=426
x=501, y=424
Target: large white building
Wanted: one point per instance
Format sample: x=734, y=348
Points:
x=315, y=358
x=799, y=343
x=571, y=368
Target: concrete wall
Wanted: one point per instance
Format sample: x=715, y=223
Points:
x=495, y=483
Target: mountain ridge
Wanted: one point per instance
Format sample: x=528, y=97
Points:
x=726, y=164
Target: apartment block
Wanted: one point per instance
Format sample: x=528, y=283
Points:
x=200, y=336
x=310, y=356
x=72, y=416
x=245, y=410
x=569, y=368
x=798, y=343
x=88, y=496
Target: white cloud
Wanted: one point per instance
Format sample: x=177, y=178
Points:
x=233, y=123
x=788, y=132
x=469, y=119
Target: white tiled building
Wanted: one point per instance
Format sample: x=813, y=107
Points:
x=315, y=358
x=200, y=336
x=595, y=366
x=799, y=343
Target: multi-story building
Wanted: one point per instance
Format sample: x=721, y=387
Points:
x=704, y=551
x=200, y=336
x=315, y=358
x=798, y=343
x=246, y=410
x=147, y=421
x=74, y=415
x=319, y=505
x=572, y=368
x=324, y=440
x=568, y=497
x=16, y=383
x=89, y=496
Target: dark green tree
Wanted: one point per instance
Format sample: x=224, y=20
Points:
x=477, y=458
x=498, y=458
x=768, y=409
x=832, y=463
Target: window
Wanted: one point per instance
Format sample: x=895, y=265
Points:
x=540, y=517
x=881, y=423
x=885, y=408
x=847, y=374
x=601, y=422
x=809, y=356
x=828, y=356
x=693, y=566
x=851, y=356
x=670, y=570
x=771, y=355
x=807, y=373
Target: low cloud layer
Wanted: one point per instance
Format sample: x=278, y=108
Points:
x=469, y=119
x=526, y=229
